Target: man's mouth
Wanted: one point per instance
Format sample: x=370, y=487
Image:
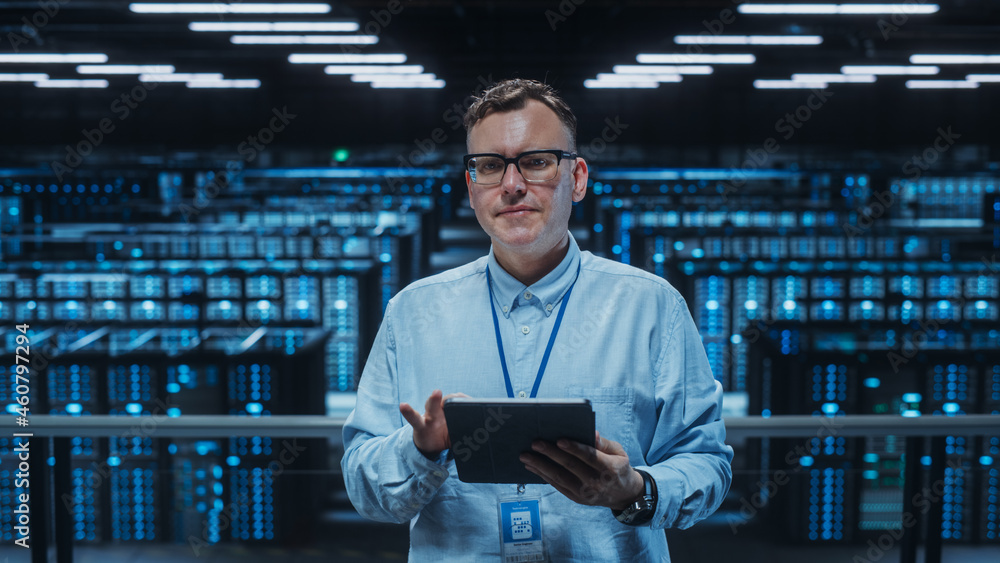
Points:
x=515, y=211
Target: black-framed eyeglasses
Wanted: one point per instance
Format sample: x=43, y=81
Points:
x=534, y=166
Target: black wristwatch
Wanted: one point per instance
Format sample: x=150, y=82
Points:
x=641, y=510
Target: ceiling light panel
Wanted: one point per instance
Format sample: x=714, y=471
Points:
x=748, y=40
x=838, y=9
x=684, y=58
x=888, y=69
x=278, y=27
x=304, y=39
x=55, y=58
x=341, y=58
x=227, y=8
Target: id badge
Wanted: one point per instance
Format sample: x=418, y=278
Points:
x=520, y=530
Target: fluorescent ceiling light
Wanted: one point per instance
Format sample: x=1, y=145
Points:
x=331, y=58
x=661, y=69
x=223, y=8
x=405, y=84
x=851, y=78
x=124, y=69
x=786, y=84
x=24, y=77
x=284, y=27
x=304, y=39
x=748, y=39
x=888, y=69
x=983, y=77
x=373, y=69
x=49, y=58
x=955, y=59
x=606, y=76
x=72, y=84
x=620, y=84
x=950, y=84
x=683, y=58
x=241, y=83
x=393, y=78
x=842, y=9
x=182, y=77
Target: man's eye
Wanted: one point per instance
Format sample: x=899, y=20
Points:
x=535, y=163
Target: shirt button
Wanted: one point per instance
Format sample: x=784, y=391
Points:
x=548, y=307
x=522, y=394
x=525, y=329
x=505, y=308
x=527, y=296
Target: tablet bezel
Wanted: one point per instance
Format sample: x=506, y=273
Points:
x=487, y=435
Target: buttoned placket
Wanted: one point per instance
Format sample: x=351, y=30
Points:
x=532, y=326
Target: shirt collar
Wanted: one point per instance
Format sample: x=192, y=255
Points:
x=546, y=293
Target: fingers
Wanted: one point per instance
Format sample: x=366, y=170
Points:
x=551, y=471
x=597, y=459
x=432, y=408
x=411, y=416
x=609, y=447
x=567, y=492
x=583, y=469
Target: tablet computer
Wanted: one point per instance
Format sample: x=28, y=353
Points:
x=488, y=435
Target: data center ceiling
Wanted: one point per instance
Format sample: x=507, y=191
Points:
x=466, y=43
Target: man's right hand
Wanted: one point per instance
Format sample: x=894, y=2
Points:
x=430, y=432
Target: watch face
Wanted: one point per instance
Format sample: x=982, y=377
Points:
x=642, y=509
x=637, y=511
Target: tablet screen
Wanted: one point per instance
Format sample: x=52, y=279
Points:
x=488, y=435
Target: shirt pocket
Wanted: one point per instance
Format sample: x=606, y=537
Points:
x=613, y=414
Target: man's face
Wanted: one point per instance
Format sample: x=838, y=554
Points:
x=522, y=217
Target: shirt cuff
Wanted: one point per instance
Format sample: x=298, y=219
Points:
x=666, y=504
x=431, y=472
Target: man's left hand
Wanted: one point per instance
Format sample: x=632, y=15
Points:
x=600, y=476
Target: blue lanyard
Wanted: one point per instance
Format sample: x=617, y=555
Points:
x=548, y=348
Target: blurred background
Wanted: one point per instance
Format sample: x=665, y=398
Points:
x=204, y=209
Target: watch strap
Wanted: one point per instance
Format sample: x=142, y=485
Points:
x=641, y=509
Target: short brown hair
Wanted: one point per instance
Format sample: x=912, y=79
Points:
x=513, y=94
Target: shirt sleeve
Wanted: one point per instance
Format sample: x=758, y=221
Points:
x=688, y=457
x=386, y=476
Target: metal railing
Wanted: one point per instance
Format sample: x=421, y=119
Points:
x=61, y=428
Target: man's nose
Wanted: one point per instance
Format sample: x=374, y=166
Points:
x=513, y=182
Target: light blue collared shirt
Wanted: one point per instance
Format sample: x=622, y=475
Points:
x=627, y=343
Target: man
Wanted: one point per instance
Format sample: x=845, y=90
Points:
x=626, y=341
